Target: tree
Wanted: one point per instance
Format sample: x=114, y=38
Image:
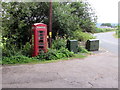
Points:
x=106, y=24
x=86, y=16
x=73, y=16
x=17, y=18
x=64, y=23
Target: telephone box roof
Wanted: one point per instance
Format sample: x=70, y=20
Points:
x=38, y=23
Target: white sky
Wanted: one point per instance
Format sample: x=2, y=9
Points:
x=106, y=10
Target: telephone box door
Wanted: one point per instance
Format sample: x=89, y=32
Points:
x=39, y=38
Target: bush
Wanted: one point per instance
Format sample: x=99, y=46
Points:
x=13, y=55
x=41, y=56
x=17, y=60
x=59, y=43
x=51, y=54
x=82, y=36
x=82, y=50
x=10, y=50
x=54, y=54
x=66, y=52
x=98, y=30
x=27, y=50
x=118, y=33
x=13, y=50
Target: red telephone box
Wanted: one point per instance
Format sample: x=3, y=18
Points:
x=39, y=38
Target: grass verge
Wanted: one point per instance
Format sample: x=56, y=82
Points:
x=102, y=30
x=116, y=36
x=76, y=56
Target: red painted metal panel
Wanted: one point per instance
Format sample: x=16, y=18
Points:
x=40, y=38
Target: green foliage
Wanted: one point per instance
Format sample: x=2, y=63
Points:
x=63, y=20
x=86, y=16
x=82, y=36
x=10, y=50
x=106, y=24
x=51, y=54
x=118, y=33
x=27, y=50
x=99, y=30
x=102, y=30
x=59, y=43
x=68, y=17
x=17, y=18
x=17, y=60
x=82, y=50
x=54, y=54
x=66, y=52
x=41, y=56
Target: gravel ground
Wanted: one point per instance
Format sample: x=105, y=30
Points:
x=96, y=71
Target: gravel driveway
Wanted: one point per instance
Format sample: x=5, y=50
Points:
x=95, y=71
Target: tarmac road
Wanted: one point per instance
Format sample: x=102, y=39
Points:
x=95, y=71
x=108, y=41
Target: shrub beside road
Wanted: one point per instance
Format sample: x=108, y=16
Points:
x=117, y=34
x=67, y=20
x=98, y=30
x=57, y=52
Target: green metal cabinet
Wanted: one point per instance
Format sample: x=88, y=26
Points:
x=72, y=45
x=92, y=45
